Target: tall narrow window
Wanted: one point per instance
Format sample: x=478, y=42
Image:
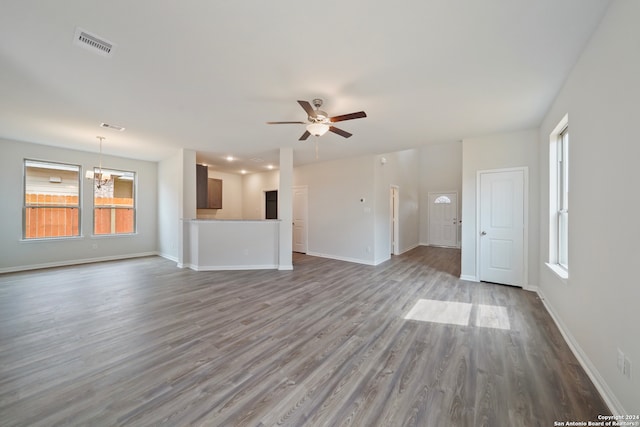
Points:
x=114, y=202
x=559, y=198
x=51, y=202
x=563, y=199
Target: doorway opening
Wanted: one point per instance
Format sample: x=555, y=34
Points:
x=271, y=204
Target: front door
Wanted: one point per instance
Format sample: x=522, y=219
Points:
x=502, y=226
x=443, y=219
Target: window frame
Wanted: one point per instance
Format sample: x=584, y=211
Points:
x=562, y=206
x=25, y=206
x=133, y=208
x=559, y=199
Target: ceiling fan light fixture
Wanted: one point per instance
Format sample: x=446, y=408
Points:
x=317, y=129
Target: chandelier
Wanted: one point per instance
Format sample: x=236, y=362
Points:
x=100, y=178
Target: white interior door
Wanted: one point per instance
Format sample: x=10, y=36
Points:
x=502, y=226
x=300, y=215
x=443, y=219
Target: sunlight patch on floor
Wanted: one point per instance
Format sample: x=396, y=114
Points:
x=459, y=313
x=492, y=316
x=453, y=313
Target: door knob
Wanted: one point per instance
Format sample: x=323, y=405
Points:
x=483, y=233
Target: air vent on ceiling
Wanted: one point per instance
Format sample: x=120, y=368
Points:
x=93, y=42
x=114, y=127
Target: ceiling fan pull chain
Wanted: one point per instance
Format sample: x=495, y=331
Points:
x=316, y=148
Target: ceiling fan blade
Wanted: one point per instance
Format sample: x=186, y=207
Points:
x=340, y=131
x=358, y=115
x=284, y=123
x=304, y=136
x=308, y=108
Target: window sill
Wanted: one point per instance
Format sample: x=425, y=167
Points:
x=559, y=271
x=50, y=239
x=102, y=236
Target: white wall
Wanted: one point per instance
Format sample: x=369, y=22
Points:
x=231, y=197
x=507, y=150
x=253, y=189
x=400, y=169
x=16, y=253
x=232, y=245
x=340, y=225
x=169, y=206
x=598, y=306
x=440, y=170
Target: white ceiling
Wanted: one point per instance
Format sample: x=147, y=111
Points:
x=207, y=75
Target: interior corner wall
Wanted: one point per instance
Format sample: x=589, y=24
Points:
x=340, y=225
x=188, y=201
x=440, y=170
x=169, y=202
x=401, y=169
x=506, y=150
x=597, y=307
x=19, y=254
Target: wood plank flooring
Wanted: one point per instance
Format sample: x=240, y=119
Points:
x=141, y=342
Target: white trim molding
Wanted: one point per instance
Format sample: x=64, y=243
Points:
x=74, y=262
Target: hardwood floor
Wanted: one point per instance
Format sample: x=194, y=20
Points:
x=141, y=342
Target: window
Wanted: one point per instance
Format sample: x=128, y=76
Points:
x=113, y=202
x=559, y=199
x=563, y=198
x=51, y=202
x=442, y=200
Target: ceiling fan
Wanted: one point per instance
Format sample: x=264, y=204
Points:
x=318, y=122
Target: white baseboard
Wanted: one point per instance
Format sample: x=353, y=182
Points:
x=340, y=258
x=469, y=278
x=169, y=257
x=601, y=385
x=440, y=246
x=230, y=267
x=74, y=262
x=409, y=248
x=381, y=260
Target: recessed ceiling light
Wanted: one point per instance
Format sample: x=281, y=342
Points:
x=243, y=171
x=229, y=158
x=269, y=166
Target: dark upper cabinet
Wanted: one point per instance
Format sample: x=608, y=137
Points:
x=202, y=176
x=214, y=194
x=208, y=190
